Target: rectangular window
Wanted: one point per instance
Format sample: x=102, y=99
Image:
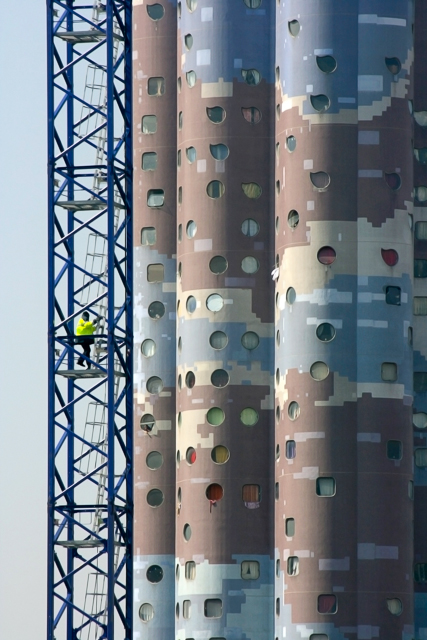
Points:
x=389, y=371
x=149, y=161
x=155, y=273
x=213, y=608
x=420, y=306
x=319, y=636
x=186, y=609
x=420, y=381
x=421, y=457
x=327, y=603
x=291, y=449
x=420, y=572
x=156, y=86
x=421, y=230
x=155, y=197
x=325, y=487
x=149, y=124
x=292, y=566
x=290, y=527
x=420, y=268
x=250, y=570
x=148, y=236
x=394, y=450
x=392, y=295
x=190, y=570
x=251, y=495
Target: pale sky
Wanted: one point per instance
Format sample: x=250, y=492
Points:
x=23, y=325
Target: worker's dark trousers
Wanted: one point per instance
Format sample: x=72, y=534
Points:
x=86, y=342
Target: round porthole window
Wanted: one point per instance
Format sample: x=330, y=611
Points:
x=218, y=340
x=147, y=422
x=291, y=295
x=187, y=532
x=191, y=229
x=190, y=380
x=146, y=612
x=215, y=302
x=319, y=371
x=218, y=264
x=250, y=264
x=155, y=498
x=326, y=255
x=249, y=417
x=220, y=454
x=154, y=460
x=325, y=332
x=294, y=27
x=156, y=310
x=154, y=385
x=215, y=416
x=250, y=227
x=293, y=410
x=148, y=348
x=220, y=378
x=154, y=574
x=291, y=143
x=250, y=340
x=190, y=455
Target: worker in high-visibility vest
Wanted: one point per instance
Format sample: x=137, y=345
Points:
x=84, y=332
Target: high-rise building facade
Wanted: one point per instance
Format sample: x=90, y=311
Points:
x=280, y=153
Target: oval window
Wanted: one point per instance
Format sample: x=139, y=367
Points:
x=319, y=371
x=154, y=385
x=215, y=416
x=191, y=78
x=390, y=257
x=218, y=340
x=146, y=612
x=393, y=65
x=215, y=189
x=327, y=64
x=190, y=455
x=320, y=103
x=187, y=532
x=190, y=380
x=291, y=295
x=219, y=151
x=325, y=332
x=191, y=229
x=420, y=420
x=215, y=114
x=293, y=219
x=156, y=310
x=154, y=574
x=220, y=454
x=250, y=264
x=215, y=302
x=249, y=417
x=191, y=304
x=250, y=340
x=252, y=4
x=155, y=11
x=218, y=264
x=394, y=605
x=191, y=154
x=155, y=497
x=250, y=227
x=291, y=143
x=294, y=27
x=251, y=190
x=320, y=180
x=148, y=348
x=326, y=255
x=220, y=378
x=154, y=460
x=294, y=410
x=188, y=41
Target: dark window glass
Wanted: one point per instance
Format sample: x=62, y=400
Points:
x=392, y=295
x=420, y=268
x=394, y=450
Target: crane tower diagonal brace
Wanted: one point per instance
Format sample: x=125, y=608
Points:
x=90, y=437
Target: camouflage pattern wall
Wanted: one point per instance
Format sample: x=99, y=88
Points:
x=274, y=265
x=344, y=317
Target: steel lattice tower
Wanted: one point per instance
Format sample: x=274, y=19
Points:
x=90, y=506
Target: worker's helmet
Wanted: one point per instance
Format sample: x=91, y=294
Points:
x=85, y=316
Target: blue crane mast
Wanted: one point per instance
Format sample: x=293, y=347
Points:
x=90, y=438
